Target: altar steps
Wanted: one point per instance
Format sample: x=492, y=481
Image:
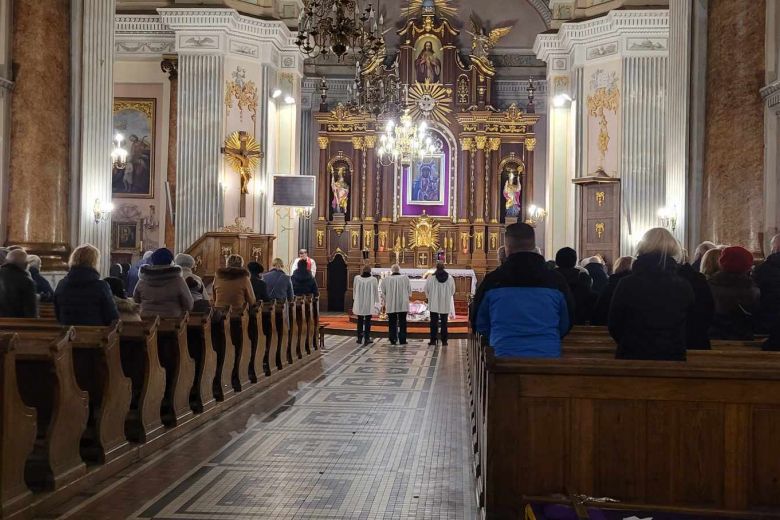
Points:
x=346, y=325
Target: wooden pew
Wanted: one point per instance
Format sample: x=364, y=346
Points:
x=308, y=325
x=47, y=382
x=282, y=328
x=221, y=341
x=46, y=311
x=17, y=432
x=179, y=369
x=141, y=363
x=257, y=340
x=315, y=307
x=697, y=434
x=293, y=353
x=239, y=335
x=270, y=365
x=205, y=359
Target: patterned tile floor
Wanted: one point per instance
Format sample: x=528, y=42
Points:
x=379, y=433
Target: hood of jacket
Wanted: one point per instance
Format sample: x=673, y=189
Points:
x=82, y=275
x=232, y=273
x=442, y=276
x=159, y=275
x=654, y=263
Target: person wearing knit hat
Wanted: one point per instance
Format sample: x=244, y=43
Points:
x=187, y=264
x=162, y=256
x=736, y=295
x=161, y=289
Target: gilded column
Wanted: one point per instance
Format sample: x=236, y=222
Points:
x=324, y=181
x=369, y=142
x=530, y=146
x=479, y=175
x=169, y=65
x=358, y=189
x=465, y=182
x=388, y=192
x=494, y=143
x=39, y=168
x=200, y=119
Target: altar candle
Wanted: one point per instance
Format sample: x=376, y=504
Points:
x=403, y=242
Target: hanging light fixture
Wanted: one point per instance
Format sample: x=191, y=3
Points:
x=119, y=154
x=377, y=92
x=406, y=142
x=339, y=27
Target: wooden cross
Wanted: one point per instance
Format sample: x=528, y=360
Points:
x=243, y=153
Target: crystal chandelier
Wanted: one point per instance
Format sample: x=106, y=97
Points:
x=406, y=142
x=339, y=27
x=377, y=92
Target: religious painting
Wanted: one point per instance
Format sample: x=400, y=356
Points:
x=425, y=185
x=134, y=120
x=126, y=237
x=428, y=60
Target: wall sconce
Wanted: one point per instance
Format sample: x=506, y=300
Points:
x=289, y=100
x=276, y=93
x=102, y=211
x=668, y=217
x=119, y=154
x=535, y=214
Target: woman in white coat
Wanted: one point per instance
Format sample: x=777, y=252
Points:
x=440, y=288
x=365, y=292
x=396, y=291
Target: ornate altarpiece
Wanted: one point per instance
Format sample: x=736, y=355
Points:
x=482, y=148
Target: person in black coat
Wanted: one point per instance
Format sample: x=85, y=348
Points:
x=82, y=298
x=620, y=269
x=302, y=280
x=17, y=288
x=767, y=277
x=700, y=319
x=579, y=283
x=650, y=307
x=42, y=286
x=736, y=296
x=258, y=284
x=598, y=274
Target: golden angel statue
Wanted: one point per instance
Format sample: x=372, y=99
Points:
x=482, y=41
x=340, y=190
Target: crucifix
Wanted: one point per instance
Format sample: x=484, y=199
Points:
x=243, y=153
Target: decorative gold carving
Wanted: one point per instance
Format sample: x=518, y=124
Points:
x=599, y=229
x=513, y=160
x=464, y=242
x=530, y=143
x=470, y=127
x=494, y=143
x=355, y=236
x=430, y=101
x=493, y=241
x=225, y=251
x=467, y=144
x=245, y=93
x=424, y=232
x=323, y=142
x=382, y=240
x=237, y=226
x=482, y=42
x=242, y=152
x=600, y=198
x=370, y=141
x=463, y=90
x=320, y=238
x=257, y=252
x=357, y=143
x=605, y=96
x=479, y=238
x=143, y=106
x=481, y=141
x=415, y=7
x=368, y=238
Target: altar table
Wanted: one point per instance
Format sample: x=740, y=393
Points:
x=416, y=276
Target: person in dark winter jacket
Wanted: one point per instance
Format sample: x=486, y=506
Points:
x=523, y=307
x=579, y=283
x=650, y=307
x=302, y=280
x=698, y=254
x=620, y=269
x=767, y=277
x=82, y=298
x=17, y=288
x=278, y=283
x=161, y=290
x=736, y=296
x=697, y=326
x=200, y=303
x=258, y=284
x=598, y=274
x=42, y=286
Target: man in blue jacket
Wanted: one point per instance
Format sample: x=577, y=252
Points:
x=523, y=307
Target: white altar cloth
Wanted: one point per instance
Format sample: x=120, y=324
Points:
x=417, y=274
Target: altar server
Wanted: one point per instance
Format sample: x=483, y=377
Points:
x=396, y=291
x=440, y=288
x=366, y=295
x=311, y=265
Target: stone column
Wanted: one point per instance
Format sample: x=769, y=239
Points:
x=530, y=146
x=733, y=209
x=464, y=194
x=324, y=179
x=200, y=119
x=388, y=193
x=369, y=142
x=305, y=167
x=771, y=95
x=97, y=125
x=357, y=195
x=170, y=66
x=467, y=145
x=494, y=143
x=479, y=176
x=6, y=86
x=39, y=169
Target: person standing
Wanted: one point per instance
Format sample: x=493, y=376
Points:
x=579, y=282
x=440, y=288
x=365, y=293
x=396, y=290
x=311, y=265
x=17, y=288
x=42, y=286
x=735, y=294
x=134, y=273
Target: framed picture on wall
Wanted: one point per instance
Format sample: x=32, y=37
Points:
x=426, y=182
x=125, y=237
x=134, y=120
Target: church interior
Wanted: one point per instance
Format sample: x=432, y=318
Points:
x=155, y=155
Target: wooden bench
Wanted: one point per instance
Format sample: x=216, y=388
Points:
x=282, y=324
x=179, y=369
x=222, y=342
x=205, y=359
x=293, y=345
x=239, y=335
x=696, y=434
x=17, y=432
x=270, y=364
x=258, y=341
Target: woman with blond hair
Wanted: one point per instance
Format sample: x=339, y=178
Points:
x=620, y=269
x=650, y=307
x=710, y=262
x=82, y=298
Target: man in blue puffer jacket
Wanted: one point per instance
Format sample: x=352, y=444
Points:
x=523, y=307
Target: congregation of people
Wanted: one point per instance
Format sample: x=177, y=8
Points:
x=656, y=305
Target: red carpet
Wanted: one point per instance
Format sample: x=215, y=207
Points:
x=345, y=325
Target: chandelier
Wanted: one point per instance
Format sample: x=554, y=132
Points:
x=377, y=92
x=337, y=27
x=406, y=142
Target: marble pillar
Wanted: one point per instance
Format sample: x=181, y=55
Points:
x=771, y=96
x=200, y=115
x=305, y=149
x=39, y=165
x=388, y=193
x=733, y=183
x=357, y=196
x=6, y=86
x=463, y=179
x=479, y=175
x=169, y=65
x=97, y=125
x=369, y=143
x=324, y=179
x=494, y=143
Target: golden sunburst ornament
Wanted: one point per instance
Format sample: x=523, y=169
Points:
x=430, y=101
x=415, y=7
x=424, y=232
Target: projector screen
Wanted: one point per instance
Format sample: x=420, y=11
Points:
x=294, y=190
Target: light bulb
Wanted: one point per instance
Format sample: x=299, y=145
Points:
x=276, y=93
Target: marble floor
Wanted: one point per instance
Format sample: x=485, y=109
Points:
x=378, y=433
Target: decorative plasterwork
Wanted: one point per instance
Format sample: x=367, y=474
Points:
x=142, y=35
x=543, y=9
x=630, y=25
x=601, y=51
x=771, y=94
